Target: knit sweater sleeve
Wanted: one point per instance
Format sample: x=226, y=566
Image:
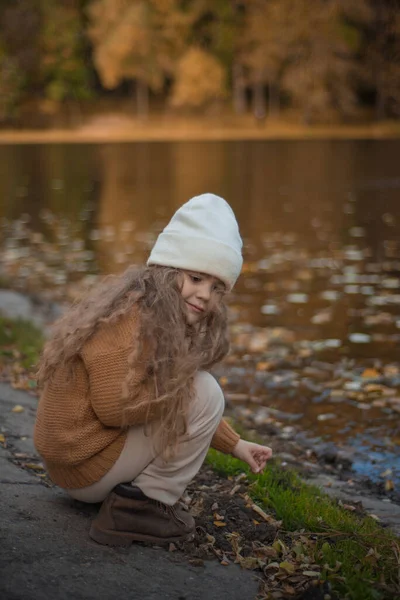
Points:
x=225, y=438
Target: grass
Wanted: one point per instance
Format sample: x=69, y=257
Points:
x=20, y=343
x=356, y=555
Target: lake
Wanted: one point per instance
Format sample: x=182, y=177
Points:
x=315, y=316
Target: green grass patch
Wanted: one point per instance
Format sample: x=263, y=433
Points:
x=20, y=343
x=355, y=554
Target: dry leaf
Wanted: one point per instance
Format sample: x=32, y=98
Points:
x=225, y=562
x=287, y=566
x=235, y=489
x=18, y=409
x=279, y=546
x=311, y=573
x=219, y=524
x=389, y=485
x=250, y=562
x=210, y=538
x=263, y=514
x=2, y=439
x=218, y=517
x=34, y=466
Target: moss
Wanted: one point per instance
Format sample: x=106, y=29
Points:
x=356, y=555
x=20, y=342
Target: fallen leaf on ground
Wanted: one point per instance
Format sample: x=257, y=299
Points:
x=219, y=524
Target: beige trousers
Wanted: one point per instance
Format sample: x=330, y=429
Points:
x=138, y=462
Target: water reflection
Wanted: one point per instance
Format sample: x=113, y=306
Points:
x=319, y=296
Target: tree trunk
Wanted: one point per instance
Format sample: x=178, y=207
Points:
x=142, y=99
x=273, y=100
x=239, y=89
x=380, y=104
x=259, y=109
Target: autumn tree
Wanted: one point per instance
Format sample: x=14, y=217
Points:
x=200, y=79
x=382, y=56
x=270, y=30
x=322, y=74
x=19, y=54
x=217, y=29
x=63, y=67
x=138, y=40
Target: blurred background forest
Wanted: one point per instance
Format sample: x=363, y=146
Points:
x=317, y=61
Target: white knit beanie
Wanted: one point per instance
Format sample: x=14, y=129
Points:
x=203, y=236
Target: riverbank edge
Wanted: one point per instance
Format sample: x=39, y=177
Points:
x=115, y=128
x=18, y=306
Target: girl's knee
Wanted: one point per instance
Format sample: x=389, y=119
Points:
x=209, y=393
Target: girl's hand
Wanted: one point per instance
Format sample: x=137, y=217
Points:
x=254, y=455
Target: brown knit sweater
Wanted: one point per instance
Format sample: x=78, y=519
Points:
x=79, y=425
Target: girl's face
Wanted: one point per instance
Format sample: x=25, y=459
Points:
x=200, y=292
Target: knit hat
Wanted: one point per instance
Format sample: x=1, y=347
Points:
x=203, y=236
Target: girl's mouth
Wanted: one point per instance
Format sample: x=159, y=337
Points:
x=195, y=308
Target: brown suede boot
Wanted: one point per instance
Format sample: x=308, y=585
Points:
x=127, y=515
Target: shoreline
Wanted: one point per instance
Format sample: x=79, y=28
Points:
x=113, y=128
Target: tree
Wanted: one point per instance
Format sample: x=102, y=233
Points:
x=63, y=66
x=322, y=72
x=19, y=54
x=11, y=85
x=200, y=79
x=382, y=57
x=269, y=32
x=138, y=40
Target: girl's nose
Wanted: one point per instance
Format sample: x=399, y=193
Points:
x=204, y=291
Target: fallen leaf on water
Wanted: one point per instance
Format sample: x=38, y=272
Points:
x=386, y=473
x=18, y=409
x=370, y=374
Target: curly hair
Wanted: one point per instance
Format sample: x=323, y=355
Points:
x=170, y=350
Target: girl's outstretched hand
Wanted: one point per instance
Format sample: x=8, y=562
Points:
x=254, y=455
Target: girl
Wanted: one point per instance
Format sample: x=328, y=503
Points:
x=128, y=409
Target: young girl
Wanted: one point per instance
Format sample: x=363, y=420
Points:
x=128, y=408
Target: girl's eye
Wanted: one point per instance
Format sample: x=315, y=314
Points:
x=219, y=289
x=195, y=278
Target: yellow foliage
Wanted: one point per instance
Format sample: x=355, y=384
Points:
x=200, y=79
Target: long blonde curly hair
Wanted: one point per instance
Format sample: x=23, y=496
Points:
x=170, y=350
